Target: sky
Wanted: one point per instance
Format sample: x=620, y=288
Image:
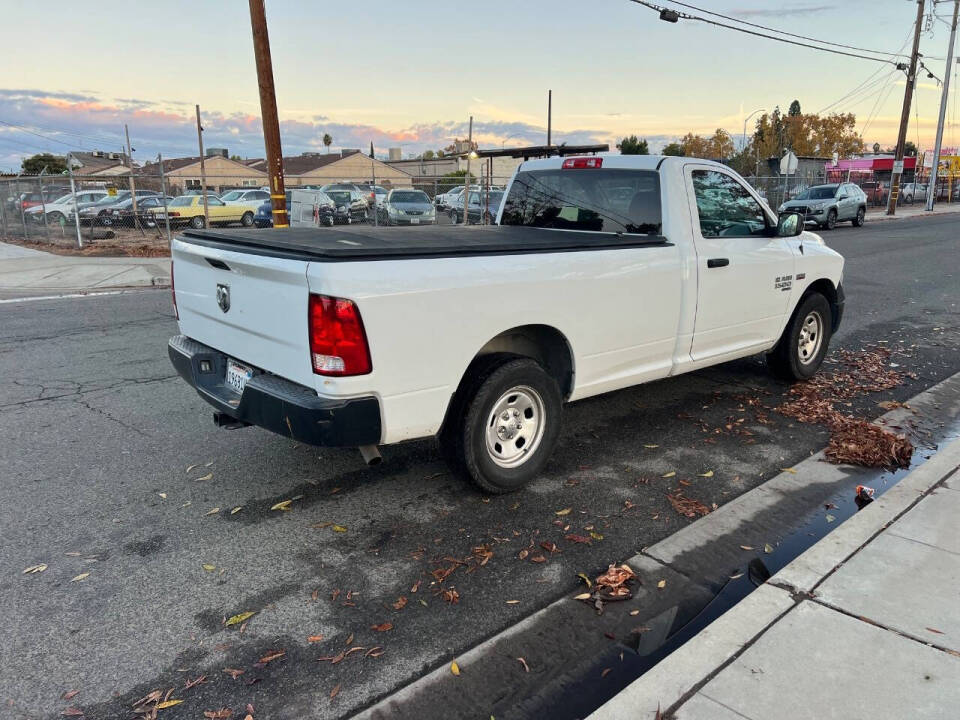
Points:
x=409, y=73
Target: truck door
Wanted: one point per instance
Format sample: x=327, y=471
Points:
x=744, y=275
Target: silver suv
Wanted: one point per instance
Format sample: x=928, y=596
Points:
x=826, y=205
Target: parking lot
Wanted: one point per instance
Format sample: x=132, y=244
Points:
x=239, y=567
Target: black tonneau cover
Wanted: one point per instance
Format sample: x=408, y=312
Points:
x=393, y=243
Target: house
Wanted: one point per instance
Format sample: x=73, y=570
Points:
x=98, y=162
x=222, y=174
x=346, y=166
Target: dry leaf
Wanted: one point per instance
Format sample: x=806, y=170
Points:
x=512, y=602
x=72, y=712
x=35, y=569
x=233, y=672
x=526, y=668
x=168, y=703
x=80, y=577
x=538, y=558
x=583, y=577
x=339, y=528
x=208, y=476
x=220, y=714
x=69, y=695
x=237, y=619
x=454, y=668
x=382, y=627
x=191, y=467
x=768, y=548
x=374, y=652
x=565, y=511
x=605, y=672
x=577, y=539
x=349, y=639
x=582, y=596
x=208, y=567
x=314, y=638
x=162, y=495
x=746, y=547
x=401, y=603
x=213, y=511
x=789, y=470
x=934, y=630
x=271, y=656
x=669, y=474
x=634, y=612
x=662, y=584
x=193, y=683
x=596, y=535
x=651, y=446
x=282, y=505
x=236, y=509
x=707, y=474
x=335, y=691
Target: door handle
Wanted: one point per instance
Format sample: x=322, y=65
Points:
x=718, y=262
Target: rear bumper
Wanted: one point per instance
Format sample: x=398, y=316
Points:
x=275, y=404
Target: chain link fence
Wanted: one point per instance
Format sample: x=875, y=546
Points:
x=147, y=208
x=779, y=189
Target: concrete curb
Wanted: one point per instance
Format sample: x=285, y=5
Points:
x=687, y=669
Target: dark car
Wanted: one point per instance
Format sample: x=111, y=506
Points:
x=101, y=213
x=263, y=217
x=483, y=208
x=121, y=213
x=408, y=207
x=351, y=206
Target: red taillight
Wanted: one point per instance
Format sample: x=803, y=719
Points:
x=338, y=342
x=174, y=214
x=582, y=162
x=173, y=292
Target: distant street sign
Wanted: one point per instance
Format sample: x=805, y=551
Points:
x=789, y=163
x=898, y=166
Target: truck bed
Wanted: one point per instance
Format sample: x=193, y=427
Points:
x=391, y=243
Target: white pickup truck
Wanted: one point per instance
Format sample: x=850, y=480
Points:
x=603, y=272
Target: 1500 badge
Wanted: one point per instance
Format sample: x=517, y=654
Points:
x=784, y=283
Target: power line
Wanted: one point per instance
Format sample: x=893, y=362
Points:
x=40, y=135
x=687, y=16
x=784, y=32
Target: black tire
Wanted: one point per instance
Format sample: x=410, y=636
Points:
x=464, y=439
x=860, y=218
x=787, y=359
x=197, y=222
x=831, y=222
x=54, y=217
x=247, y=219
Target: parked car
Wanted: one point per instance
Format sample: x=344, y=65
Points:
x=61, y=208
x=351, y=206
x=440, y=199
x=875, y=191
x=101, y=212
x=34, y=198
x=376, y=194
x=248, y=198
x=407, y=207
x=351, y=339
x=912, y=191
x=121, y=214
x=188, y=210
x=263, y=217
x=483, y=208
x=826, y=205
x=198, y=191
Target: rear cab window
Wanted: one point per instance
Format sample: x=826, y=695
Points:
x=609, y=200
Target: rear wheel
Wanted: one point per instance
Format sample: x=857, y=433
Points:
x=861, y=216
x=506, y=425
x=197, y=222
x=55, y=217
x=247, y=219
x=804, y=343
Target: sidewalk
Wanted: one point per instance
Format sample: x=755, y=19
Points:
x=864, y=624
x=23, y=270
x=912, y=211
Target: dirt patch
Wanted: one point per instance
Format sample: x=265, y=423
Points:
x=117, y=246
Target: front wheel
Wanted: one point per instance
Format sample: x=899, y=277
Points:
x=859, y=219
x=247, y=219
x=508, y=424
x=804, y=343
x=831, y=222
x=197, y=222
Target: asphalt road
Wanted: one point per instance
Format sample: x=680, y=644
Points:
x=146, y=558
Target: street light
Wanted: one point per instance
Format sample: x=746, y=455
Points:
x=743, y=146
x=504, y=141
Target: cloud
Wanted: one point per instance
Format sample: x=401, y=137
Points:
x=34, y=94
x=789, y=10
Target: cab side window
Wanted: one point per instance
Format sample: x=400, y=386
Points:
x=726, y=208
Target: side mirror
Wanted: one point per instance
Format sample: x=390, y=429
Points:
x=842, y=197
x=789, y=225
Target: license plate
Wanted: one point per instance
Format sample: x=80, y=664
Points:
x=414, y=221
x=237, y=375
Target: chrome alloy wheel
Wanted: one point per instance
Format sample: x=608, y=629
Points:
x=515, y=426
x=811, y=337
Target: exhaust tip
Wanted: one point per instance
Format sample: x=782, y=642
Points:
x=371, y=455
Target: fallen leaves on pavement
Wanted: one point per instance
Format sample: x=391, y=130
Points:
x=237, y=619
x=382, y=627
x=454, y=668
x=33, y=569
x=270, y=657
x=221, y=714
x=687, y=507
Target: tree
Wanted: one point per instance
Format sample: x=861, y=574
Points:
x=909, y=149
x=371, y=148
x=876, y=148
x=440, y=153
x=794, y=110
x=55, y=164
x=236, y=158
x=717, y=147
x=428, y=155
x=327, y=141
x=633, y=146
x=674, y=148
x=456, y=178
x=812, y=135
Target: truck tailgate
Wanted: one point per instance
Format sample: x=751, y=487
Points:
x=265, y=321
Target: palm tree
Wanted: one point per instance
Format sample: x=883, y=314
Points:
x=327, y=140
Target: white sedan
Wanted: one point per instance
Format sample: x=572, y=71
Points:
x=247, y=198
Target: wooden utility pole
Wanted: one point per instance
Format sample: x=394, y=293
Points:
x=268, y=112
x=466, y=184
x=549, y=114
x=905, y=115
x=203, y=172
x=133, y=187
x=932, y=183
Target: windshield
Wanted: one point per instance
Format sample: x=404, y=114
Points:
x=618, y=201
x=409, y=196
x=182, y=201
x=821, y=192
x=340, y=197
x=232, y=195
x=111, y=199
